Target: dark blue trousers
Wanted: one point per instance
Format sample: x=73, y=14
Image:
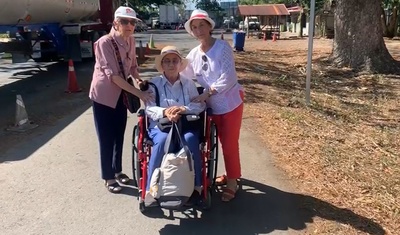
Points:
x=110, y=126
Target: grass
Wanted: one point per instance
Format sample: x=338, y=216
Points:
x=344, y=147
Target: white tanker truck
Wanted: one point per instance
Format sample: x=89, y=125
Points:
x=51, y=30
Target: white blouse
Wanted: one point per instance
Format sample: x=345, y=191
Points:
x=216, y=68
x=178, y=94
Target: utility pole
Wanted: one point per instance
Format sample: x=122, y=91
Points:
x=310, y=50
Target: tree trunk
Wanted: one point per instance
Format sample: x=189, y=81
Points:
x=383, y=20
x=358, y=41
x=392, y=27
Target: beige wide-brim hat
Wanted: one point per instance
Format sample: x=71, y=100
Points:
x=198, y=15
x=170, y=50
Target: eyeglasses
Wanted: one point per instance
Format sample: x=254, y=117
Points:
x=174, y=62
x=205, y=64
x=126, y=22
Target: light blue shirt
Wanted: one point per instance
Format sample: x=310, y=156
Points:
x=178, y=94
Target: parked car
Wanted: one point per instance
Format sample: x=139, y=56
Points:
x=140, y=26
x=254, y=24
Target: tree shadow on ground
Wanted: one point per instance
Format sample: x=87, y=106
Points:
x=288, y=81
x=258, y=209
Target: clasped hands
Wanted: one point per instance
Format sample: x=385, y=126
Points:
x=174, y=113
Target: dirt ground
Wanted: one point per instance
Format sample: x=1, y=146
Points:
x=344, y=147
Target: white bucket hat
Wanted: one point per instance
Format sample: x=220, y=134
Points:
x=198, y=15
x=170, y=50
x=125, y=12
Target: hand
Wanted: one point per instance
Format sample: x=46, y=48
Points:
x=200, y=98
x=138, y=80
x=174, y=113
x=174, y=117
x=170, y=111
x=146, y=96
x=142, y=84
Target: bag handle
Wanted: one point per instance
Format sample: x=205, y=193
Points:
x=182, y=143
x=119, y=60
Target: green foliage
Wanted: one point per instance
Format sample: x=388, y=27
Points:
x=147, y=3
x=390, y=3
x=144, y=8
x=305, y=3
x=209, y=5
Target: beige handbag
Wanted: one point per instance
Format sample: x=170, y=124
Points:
x=172, y=183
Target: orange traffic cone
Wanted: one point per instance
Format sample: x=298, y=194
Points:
x=72, y=83
x=147, y=49
x=274, y=37
x=222, y=36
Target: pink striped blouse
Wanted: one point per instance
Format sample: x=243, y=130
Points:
x=102, y=89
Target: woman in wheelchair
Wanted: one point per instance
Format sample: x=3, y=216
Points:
x=174, y=100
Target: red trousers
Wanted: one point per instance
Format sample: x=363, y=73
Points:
x=228, y=126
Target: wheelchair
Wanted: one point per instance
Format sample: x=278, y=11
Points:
x=142, y=147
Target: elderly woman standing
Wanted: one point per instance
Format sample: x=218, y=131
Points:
x=212, y=64
x=176, y=93
x=109, y=110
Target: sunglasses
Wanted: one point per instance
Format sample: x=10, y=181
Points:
x=126, y=22
x=205, y=64
x=174, y=61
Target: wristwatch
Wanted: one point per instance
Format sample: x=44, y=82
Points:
x=209, y=92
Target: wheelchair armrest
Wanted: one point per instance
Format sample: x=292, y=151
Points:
x=164, y=121
x=189, y=118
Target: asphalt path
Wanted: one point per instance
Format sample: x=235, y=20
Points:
x=50, y=178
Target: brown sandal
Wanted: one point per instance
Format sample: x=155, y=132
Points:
x=228, y=194
x=221, y=180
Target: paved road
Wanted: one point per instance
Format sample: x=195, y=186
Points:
x=50, y=180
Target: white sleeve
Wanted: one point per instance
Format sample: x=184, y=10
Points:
x=228, y=76
x=193, y=107
x=152, y=110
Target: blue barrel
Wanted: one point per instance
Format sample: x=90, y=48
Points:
x=238, y=40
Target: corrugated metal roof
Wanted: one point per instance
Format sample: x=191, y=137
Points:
x=295, y=9
x=263, y=10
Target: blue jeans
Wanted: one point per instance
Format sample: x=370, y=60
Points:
x=192, y=138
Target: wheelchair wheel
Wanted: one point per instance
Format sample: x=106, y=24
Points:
x=135, y=157
x=142, y=207
x=207, y=201
x=213, y=161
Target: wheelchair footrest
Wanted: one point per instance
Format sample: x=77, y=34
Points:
x=148, y=142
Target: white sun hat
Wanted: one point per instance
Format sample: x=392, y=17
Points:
x=170, y=50
x=125, y=12
x=198, y=15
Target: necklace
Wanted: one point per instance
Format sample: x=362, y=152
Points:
x=176, y=99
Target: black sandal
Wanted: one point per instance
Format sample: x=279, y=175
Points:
x=113, y=188
x=122, y=178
